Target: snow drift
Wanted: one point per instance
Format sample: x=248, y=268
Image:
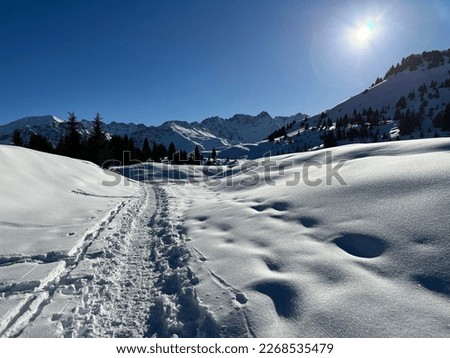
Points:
x=52, y=209
x=49, y=202
x=366, y=259
x=262, y=249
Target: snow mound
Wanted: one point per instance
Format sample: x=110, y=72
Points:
x=49, y=202
x=364, y=258
x=52, y=210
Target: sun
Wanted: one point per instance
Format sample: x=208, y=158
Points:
x=362, y=34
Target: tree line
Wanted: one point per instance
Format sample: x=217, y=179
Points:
x=102, y=150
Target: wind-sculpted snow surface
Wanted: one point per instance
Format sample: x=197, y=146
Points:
x=351, y=242
x=365, y=259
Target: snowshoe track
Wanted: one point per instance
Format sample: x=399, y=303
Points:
x=129, y=277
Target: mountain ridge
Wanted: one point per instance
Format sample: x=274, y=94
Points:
x=417, y=88
x=209, y=133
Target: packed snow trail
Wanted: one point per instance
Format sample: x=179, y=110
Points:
x=129, y=279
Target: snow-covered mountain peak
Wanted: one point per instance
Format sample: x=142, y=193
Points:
x=48, y=125
x=33, y=121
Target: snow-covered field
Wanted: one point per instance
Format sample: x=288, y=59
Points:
x=248, y=252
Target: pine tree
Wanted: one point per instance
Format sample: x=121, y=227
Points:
x=71, y=142
x=214, y=154
x=329, y=140
x=41, y=143
x=159, y=152
x=97, y=141
x=197, y=155
x=98, y=135
x=406, y=123
x=146, y=151
x=446, y=118
x=128, y=150
x=17, y=138
x=401, y=103
x=171, y=151
x=155, y=156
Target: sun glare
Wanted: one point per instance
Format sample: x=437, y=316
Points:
x=362, y=34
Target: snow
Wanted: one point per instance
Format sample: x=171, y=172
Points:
x=49, y=202
x=366, y=259
x=389, y=92
x=382, y=97
x=51, y=208
x=48, y=125
x=245, y=128
x=229, y=252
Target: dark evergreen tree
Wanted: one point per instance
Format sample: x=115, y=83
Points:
x=406, y=124
x=97, y=142
x=17, y=138
x=115, y=148
x=97, y=130
x=401, y=103
x=214, y=154
x=155, y=156
x=41, y=143
x=71, y=142
x=146, y=151
x=363, y=133
x=345, y=120
x=180, y=157
x=397, y=115
x=197, y=156
x=442, y=119
x=377, y=81
x=128, y=150
x=171, y=151
x=277, y=133
x=446, y=119
x=160, y=152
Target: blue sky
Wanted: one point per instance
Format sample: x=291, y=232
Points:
x=151, y=61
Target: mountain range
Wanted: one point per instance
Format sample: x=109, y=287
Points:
x=211, y=132
x=419, y=84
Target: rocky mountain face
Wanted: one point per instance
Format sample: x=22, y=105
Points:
x=212, y=132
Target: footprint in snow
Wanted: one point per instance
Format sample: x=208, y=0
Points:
x=283, y=294
x=360, y=245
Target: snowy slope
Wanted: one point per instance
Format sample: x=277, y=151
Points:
x=387, y=93
x=229, y=251
x=366, y=259
x=45, y=197
x=86, y=253
x=245, y=128
x=382, y=97
x=51, y=209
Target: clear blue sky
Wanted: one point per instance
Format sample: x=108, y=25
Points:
x=151, y=61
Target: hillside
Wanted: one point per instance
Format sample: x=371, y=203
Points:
x=52, y=209
x=419, y=85
x=286, y=259
x=232, y=253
